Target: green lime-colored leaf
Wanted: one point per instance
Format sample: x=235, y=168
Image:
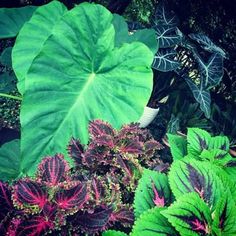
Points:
x=224, y=222
x=10, y=160
x=146, y=36
x=216, y=156
x=79, y=75
x=190, y=175
x=12, y=20
x=190, y=215
x=219, y=142
x=153, y=190
x=153, y=223
x=198, y=140
x=32, y=37
x=113, y=233
x=178, y=146
x=5, y=58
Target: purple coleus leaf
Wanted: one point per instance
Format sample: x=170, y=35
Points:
x=131, y=146
x=73, y=199
x=29, y=195
x=76, y=150
x=98, y=190
x=124, y=215
x=95, y=155
x=34, y=226
x=6, y=204
x=53, y=170
x=98, y=220
x=99, y=128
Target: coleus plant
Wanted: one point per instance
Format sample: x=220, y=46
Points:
x=90, y=197
x=196, y=197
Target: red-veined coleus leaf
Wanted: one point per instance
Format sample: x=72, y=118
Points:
x=99, y=128
x=34, y=226
x=73, y=199
x=96, y=221
x=153, y=223
x=190, y=175
x=76, y=151
x=130, y=146
x=153, y=190
x=29, y=195
x=53, y=170
x=123, y=214
x=6, y=204
x=224, y=217
x=190, y=215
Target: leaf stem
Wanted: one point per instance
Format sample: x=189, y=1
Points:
x=10, y=96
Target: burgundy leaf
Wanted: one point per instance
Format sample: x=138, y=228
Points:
x=99, y=127
x=94, y=222
x=104, y=140
x=132, y=146
x=95, y=155
x=130, y=129
x=29, y=194
x=72, y=199
x=53, y=170
x=151, y=146
x=34, y=226
x=6, y=204
x=76, y=150
x=124, y=215
x=98, y=190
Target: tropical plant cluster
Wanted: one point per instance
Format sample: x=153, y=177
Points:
x=81, y=76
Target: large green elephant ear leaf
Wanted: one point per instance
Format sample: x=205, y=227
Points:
x=146, y=36
x=196, y=176
x=153, y=190
x=10, y=160
x=35, y=33
x=79, y=75
x=190, y=215
x=153, y=223
x=12, y=20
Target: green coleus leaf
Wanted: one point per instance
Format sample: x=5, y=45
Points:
x=153, y=223
x=153, y=190
x=198, y=140
x=216, y=156
x=219, y=142
x=178, y=146
x=5, y=58
x=10, y=160
x=35, y=33
x=224, y=216
x=12, y=20
x=79, y=75
x=113, y=233
x=190, y=175
x=146, y=36
x=190, y=215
